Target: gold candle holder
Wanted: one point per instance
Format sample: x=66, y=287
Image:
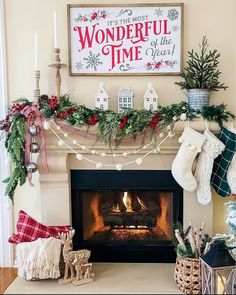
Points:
x=36, y=91
x=57, y=65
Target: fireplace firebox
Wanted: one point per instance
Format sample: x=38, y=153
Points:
x=125, y=216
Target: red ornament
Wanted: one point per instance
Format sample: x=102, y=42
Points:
x=93, y=120
x=148, y=65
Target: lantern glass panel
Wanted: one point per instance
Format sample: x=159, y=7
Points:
x=218, y=280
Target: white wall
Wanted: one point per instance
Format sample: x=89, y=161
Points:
x=213, y=18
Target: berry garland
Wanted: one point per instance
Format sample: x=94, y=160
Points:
x=112, y=127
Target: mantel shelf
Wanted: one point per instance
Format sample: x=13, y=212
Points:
x=171, y=145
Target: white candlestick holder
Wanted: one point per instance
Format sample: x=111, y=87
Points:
x=36, y=91
x=57, y=65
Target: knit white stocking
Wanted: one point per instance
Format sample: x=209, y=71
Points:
x=192, y=142
x=210, y=150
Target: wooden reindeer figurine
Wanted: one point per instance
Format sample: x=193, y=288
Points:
x=83, y=269
x=69, y=256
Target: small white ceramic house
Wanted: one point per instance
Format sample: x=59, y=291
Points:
x=150, y=98
x=125, y=98
x=101, y=98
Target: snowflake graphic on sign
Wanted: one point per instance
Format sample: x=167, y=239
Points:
x=93, y=61
x=79, y=65
x=175, y=28
x=173, y=14
x=158, y=12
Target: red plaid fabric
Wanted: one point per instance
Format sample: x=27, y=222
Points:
x=28, y=229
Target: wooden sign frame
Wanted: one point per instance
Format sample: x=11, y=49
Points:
x=134, y=39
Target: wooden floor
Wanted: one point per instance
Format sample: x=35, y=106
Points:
x=7, y=276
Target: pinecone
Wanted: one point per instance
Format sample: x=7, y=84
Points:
x=44, y=97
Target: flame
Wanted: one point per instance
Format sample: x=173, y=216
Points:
x=127, y=202
x=143, y=205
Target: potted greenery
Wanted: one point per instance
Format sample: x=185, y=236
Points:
x=201, y=76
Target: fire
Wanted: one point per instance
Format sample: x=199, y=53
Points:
x=142, y=204
x=127, y=202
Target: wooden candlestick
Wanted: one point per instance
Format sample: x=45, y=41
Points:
x=57, y=65
x=36, y=91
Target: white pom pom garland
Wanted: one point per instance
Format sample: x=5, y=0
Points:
x=46, y=125
x=139, y=161
x=79, y=157
x=119, y=167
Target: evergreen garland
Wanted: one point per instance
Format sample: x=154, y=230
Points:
x=201, y=70
x=112, y=127
x=15, y=145
x=217, y=114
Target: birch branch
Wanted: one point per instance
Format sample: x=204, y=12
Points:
x=192, y=239
x=179, y=238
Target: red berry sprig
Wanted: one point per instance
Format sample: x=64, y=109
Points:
x=93, y=120
x=53, y=102
x=155, y=120
x=123, y=122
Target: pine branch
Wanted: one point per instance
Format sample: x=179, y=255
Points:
x=201, y=70
x=15, y=143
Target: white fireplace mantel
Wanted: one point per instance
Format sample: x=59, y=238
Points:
x=55, y=184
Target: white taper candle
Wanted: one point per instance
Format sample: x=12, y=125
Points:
x=55, y=29
x=36, y=52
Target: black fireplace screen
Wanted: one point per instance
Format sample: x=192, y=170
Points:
x=117, y=214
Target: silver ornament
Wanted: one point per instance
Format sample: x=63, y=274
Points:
x=31, y=167
x=34, y=130
x=34, y=147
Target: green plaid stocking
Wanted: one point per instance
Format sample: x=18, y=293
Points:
x=222, y=162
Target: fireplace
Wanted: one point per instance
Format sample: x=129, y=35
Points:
x=125, y=216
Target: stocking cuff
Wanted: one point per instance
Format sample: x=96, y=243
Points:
x=192, y=139
x=213, y=146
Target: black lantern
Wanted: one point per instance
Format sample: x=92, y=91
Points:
x=216, y=268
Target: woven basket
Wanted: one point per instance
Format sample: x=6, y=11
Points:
x=62, y=263
x=188, y=275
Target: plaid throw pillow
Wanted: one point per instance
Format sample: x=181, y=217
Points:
x=28, y=229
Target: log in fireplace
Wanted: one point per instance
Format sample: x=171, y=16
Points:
x=125, y=216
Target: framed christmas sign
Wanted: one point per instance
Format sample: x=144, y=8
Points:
x=142, y=39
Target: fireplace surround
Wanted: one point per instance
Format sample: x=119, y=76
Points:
x=126, y=216
x=53, y=198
